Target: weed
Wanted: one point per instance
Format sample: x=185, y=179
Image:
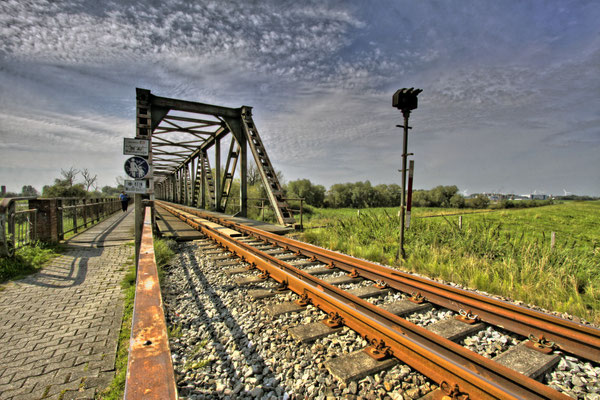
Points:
x=174, y=331
x=195, y=365
x=27, y=260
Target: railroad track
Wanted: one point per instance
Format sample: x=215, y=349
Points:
x=345, y=288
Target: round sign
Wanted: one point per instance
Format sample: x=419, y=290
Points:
x=136, y=167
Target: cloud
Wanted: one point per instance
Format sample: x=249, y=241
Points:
x=505, y=85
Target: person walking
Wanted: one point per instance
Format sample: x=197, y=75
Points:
x=124, y=201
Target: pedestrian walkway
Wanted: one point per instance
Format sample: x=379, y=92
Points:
x=59, y=327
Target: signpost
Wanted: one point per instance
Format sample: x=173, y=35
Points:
x=136, y=186
x=136, y=147
x=137, y=167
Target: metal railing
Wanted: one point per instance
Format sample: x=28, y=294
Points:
x=18, y=224
x=78, y=213
x=25, y=220
x=150, y=372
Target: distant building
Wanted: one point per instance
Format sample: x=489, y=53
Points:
x=2, y=190
x=539, y=196
x=494, y=196
x=511, y=196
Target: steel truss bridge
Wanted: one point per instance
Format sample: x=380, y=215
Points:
x=183, y=134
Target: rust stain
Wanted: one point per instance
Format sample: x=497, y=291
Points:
x=150, y=370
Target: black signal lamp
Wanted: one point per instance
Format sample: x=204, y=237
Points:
x=406, y=99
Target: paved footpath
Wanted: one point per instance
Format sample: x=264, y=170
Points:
x=59, y=327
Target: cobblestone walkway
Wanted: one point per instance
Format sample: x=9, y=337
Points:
x=59, y=327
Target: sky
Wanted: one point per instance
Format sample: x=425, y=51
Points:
x=510, y=101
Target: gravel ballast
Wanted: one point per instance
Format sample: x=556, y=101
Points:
x=225, y=345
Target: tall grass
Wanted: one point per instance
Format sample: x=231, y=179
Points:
x=27, y=260
x=485, y=254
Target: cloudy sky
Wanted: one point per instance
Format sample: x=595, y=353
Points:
x=510, y=102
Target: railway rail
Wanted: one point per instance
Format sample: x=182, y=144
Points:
x=459, y=372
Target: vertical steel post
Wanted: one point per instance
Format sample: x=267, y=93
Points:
x=411, y=169
x=243, y=176
x=218, y=189
x=401, y=252
x=143, y=131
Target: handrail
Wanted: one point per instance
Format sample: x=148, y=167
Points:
x=7, y=228
x=23, y=227
x=150, y=372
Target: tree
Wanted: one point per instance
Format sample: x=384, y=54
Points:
x=421, y=198
x=29, y=191
x=69, y=176
x=312, y=194
x=479, y=201
x=338, y=196
x=60, y=189
x=110, y=191
x=457, y=201
x=88, y=179
x=253, y=175
x=441, y=195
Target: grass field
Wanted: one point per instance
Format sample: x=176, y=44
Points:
x=505, y=252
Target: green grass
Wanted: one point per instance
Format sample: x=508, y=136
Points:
x=163, y=250
x=27, y=260
x=505, y=252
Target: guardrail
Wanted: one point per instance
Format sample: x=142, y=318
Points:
x=17, y=224
x=24, y=220
x=78, y=213
x=150, y=372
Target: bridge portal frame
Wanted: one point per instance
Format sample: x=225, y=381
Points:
x=182, y=134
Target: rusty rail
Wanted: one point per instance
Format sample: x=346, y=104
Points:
x=571, y=337
x=445, y=362
x=149, y=370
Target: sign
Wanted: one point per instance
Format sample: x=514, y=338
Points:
x=136, y=167
x=135, y=186
x=136, y=147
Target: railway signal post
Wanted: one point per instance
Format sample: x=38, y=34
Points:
x=405, y=100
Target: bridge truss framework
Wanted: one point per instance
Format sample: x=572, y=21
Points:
x=183, y=133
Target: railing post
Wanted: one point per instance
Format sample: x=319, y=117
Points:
x=84, y=216
x=33, y=227
x=7, y=239
x=47, y=226
x=75, y=217
x=59, y=219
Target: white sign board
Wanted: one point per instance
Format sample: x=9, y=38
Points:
x=136, y=167
x=136, y=147
x=135, y=186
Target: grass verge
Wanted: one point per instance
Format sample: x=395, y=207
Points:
x=507, y=253
x=27, y=260
x=163, y=251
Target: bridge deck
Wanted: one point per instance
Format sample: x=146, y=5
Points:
x=59, y=327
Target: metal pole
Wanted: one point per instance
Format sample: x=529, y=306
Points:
x=411, y=170
x=401, y=252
